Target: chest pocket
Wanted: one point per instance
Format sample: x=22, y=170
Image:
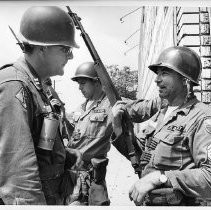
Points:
x=98, y=124
x=98, y=117
x=170, y=150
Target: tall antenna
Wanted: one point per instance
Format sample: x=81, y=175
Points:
x=18, y=41
x=125, y=53
x=131, y=36
x=121, y=19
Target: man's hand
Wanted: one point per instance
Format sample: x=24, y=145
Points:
x=77, y=156
x=117, y=112
x=141, y=187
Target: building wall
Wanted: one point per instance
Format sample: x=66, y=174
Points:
x=156, y=34
x=162, y=27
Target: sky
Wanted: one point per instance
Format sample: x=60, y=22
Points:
x=104, y=27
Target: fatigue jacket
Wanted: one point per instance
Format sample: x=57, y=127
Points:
x=92, y=129
x=139, y=110
x=181, y=146
x=22, y=164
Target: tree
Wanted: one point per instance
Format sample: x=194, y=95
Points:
x=125, y=80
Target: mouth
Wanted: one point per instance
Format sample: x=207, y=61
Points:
x=83, y=93
x=161, y=88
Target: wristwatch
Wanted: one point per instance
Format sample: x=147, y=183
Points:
x=163, y=178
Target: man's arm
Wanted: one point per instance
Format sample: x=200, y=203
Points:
x=139, y=111
x=19, y=173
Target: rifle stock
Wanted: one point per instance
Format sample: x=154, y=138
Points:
x=110, y=91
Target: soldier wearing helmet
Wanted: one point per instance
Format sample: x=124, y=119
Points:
x=176, y=143
x=33, y=155
x=91, y=137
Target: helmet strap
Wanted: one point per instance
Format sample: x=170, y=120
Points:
x=190, y=93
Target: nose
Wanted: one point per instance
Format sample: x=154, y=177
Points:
x=80, y=86
x=70, y=55
x=158, y=78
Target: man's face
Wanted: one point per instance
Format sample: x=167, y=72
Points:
x=56, y=58
x=87, y=87
x=170, y=83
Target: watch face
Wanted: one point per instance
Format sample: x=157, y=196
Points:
x=163, y=178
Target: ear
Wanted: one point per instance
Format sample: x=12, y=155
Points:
x=184, y=81
x=98, y=84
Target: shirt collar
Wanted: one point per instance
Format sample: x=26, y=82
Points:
x=185, y=108
x=98, y=101
x=28, y=68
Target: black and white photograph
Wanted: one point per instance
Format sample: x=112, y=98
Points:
x=105, y=103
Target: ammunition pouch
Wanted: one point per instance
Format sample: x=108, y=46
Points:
x=99, y=169
x=88, y=185
x=79, y=183
x=98, y=194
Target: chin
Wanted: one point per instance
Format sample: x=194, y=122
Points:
x=60, y=73
x=161, y=96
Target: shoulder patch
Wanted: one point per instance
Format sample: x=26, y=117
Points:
x=207, y=124
x=21, y=96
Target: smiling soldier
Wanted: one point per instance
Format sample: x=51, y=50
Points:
x=175, y=160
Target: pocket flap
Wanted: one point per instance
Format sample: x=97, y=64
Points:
x=98, y=117
x=168, y=138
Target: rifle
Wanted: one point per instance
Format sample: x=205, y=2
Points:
x=110, y=91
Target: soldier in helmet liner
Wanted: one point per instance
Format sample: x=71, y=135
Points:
x=33, y=155
x=91, y=136
x=175, y=156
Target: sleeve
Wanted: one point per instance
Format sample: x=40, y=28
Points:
x=197, y=180
x=141, y=110
x=19, y=174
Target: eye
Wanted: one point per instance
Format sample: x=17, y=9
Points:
x=164, y=73
x=66, y=50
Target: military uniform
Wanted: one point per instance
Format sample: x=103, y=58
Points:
x=180, y=146
x=29, y=175
x=139, y=110
x=92, y=137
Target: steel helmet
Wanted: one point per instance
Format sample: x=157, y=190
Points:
x=85, y=70
x=182, y=60
x=46, y=26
